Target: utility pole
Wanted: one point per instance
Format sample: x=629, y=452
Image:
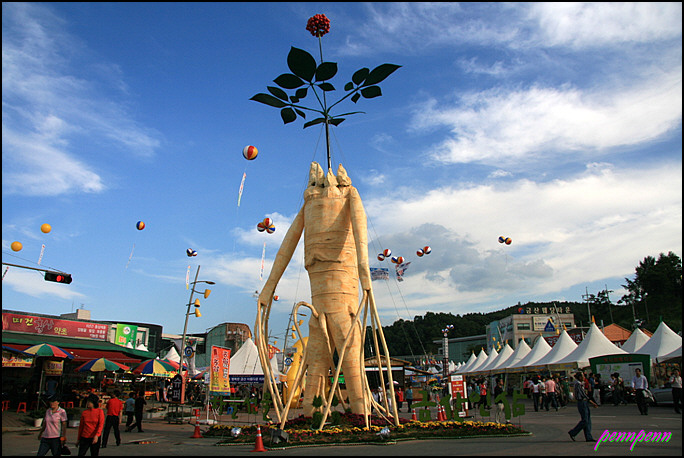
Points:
x=586, y=298
x=610, y=311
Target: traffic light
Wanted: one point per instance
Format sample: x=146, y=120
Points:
x=58, y=277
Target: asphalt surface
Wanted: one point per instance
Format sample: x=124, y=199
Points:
x=549, y=437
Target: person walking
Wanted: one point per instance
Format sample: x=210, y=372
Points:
x=499, y=414
x=409, y=397
x=53, y=430
x=618, y=388
x=597, y=388
x=130, y=409
x=676, y=385
x=90, y=427
x=113, y=418
x=551, y=396
x=139, y=410
x=583, y=401
x=400, y=398
x=536, y=393
x=640, y=383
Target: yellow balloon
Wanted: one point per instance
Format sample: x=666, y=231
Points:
x=17, y=246
x=46, y=228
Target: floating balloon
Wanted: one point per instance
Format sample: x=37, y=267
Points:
x=261, y=227
x=508, y=240
x=250, y=152
x=140, y=225
x=16, y=246
x=190, y=252
x=387, y=252
x=397, y=259
x=427, y=250
x=502, y=239
x=268, y=222
x=381, y=257
x=270, y=229
x=275, y=298
x=420, y=253
x=45, y=228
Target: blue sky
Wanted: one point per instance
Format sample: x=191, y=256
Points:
x=558, y=125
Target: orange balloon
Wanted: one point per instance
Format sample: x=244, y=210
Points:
x=16, y=246
x=45, y=228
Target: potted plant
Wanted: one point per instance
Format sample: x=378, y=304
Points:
x=36, y=416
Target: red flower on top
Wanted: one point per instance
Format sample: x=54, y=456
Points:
x=318, y=25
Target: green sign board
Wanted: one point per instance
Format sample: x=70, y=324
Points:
x=623, y=365
x=125, y=334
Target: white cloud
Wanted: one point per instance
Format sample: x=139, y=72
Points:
x=599, y=24
x=47, y=109
x=565, y=232
x=497, y=125
x=33, y=284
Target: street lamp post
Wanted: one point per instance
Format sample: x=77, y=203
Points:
x=206, y=293
x=445, y=350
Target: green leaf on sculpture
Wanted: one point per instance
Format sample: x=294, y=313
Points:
x=326, y=70
x=268, y=99
x=349, y=86
x=301, y=92
x=326, y=87
x=336, y=121
x=277, y=92
x=288, y=81
x=355, y=98
x=371, y=92
x=288, y=115
x=360, y=75
x=314, y=122
x=301, y=63
x=300, y=113
x=379, y=73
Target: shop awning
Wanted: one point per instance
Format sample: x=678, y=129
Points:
x=82, y=349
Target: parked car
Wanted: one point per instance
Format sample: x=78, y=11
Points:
x=662, y=396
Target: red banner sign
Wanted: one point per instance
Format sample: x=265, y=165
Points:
x=53, y=327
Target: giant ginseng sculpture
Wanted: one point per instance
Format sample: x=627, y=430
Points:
x=333, y=222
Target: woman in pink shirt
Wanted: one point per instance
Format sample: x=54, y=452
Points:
x=53, y=429
x=90, y=428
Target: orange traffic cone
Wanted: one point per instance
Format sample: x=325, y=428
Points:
x=442, y=413
x=198, y=434
x=259, y=444
x=413, y=415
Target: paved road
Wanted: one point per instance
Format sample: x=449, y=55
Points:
x=549, y=438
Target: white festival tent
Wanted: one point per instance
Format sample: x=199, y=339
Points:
x=506, y=353
x=637, y=340
x=564, y=346
x=173, y=355
x=481, y=358
x=468, y=363
x=246, y=361
x=595, y=344
x=672, y=355
x=520, y=352
x=488, y=362
x=540, y=349
x=663, y=341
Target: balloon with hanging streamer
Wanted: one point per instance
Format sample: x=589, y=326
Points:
x=250, y=152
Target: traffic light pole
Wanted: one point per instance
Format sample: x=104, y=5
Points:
x=48, y=273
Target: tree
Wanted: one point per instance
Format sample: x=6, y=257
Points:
x=655, y=293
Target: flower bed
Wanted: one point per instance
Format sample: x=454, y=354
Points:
x=351, y=430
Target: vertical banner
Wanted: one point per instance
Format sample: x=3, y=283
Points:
x=125, y=334
x=457, y=385
x=219, y=371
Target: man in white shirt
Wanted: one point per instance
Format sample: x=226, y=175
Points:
x=676, y=385
x=640, y=383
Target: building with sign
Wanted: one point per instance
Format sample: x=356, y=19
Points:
x=529, y=323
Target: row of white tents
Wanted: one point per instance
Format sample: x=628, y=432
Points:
x=662, y=345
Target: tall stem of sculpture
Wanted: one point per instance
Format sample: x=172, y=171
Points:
x=325, y=108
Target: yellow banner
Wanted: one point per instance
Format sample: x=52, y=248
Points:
x=219, y=371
